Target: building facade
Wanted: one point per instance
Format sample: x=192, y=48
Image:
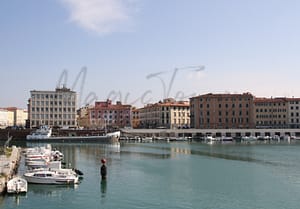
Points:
x=3, y=118
x=222, y=111
x=271, y=112
x=108, y=115
x=135, y=119
x=19, y=116
x=277, y=112
x=83, y=119
x=293, y=110
x=12, y=116
x=53, y=108
x=166, y=114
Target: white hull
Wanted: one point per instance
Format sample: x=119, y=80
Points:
x=16, y=185
x=108, y=138
x=50, y=177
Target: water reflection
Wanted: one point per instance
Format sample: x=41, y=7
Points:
x=51, y=190
x=103, y=185
x=147, y=154
x=15, y=198
x=172, y=150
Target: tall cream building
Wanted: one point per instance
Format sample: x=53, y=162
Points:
x=53, y=108
x=12, y=116
x=17, y=116
x=3, y=118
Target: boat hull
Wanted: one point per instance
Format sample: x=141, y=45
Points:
x=44, y=180
x=17, y=185
x=112, y=138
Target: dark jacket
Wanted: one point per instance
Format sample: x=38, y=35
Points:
x=103, y=171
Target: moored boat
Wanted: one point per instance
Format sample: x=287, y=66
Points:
x=51, y=177
x=16, y=185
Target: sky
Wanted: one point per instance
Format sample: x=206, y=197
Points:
x=142, y=51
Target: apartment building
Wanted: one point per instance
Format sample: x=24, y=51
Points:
x=107, y=115
x=12, y=116
x=19, y=116
x=271, y=112
x=166, y=114
x=83, y=119
x=222, y=111
x=135, y=119
x=53, y=108
x=293, y=112
x=4, y=118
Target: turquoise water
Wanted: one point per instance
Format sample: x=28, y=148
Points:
x=174, y=175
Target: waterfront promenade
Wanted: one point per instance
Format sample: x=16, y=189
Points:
x=214, y=132
x=9, y=163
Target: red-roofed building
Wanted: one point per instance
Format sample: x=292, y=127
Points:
x=293, y=112
x=271, y=112
x=222, y=111
x=165, y=114
x=108, y=115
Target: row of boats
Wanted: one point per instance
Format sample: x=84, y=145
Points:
x=246, y=139
x=44, y=166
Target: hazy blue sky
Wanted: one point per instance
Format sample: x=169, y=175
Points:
x=245, y=46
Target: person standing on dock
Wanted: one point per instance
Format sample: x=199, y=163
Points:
x=103, y=170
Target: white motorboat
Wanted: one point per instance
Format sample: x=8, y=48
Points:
x=51, y=177
x=43, y=132
x=17, y=185
x=40, y=157
x=211, y=140
x=37, y=163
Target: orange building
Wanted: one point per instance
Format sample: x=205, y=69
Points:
x=108, y=115
x=222, y=111
x=135, y=120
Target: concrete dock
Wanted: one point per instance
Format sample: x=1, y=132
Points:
x=9, y=163
x=194, y=133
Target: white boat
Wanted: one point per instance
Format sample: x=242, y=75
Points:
x=17, y=185
x=51, y=177
x=147, y=139
x=211, y=140
x=249, y=139
x=39, y=157
x=37, y=163
x=44, y=134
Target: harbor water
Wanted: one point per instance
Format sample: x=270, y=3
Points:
x=173, y=175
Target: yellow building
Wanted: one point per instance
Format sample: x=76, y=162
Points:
x=3, y=118
x=166, y=114
x=83, y=118
x=12, y=116
x=135, y=120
